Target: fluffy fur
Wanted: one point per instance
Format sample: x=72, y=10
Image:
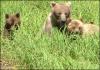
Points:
x=11, y=21
x=78, y=27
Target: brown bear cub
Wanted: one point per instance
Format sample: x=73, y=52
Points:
x=78, y=27
x=12, y=21
x=59, y=16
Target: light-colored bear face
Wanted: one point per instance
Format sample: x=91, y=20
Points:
x=61, y=12
x=75, y=27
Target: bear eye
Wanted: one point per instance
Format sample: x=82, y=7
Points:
x=80, y=28
x=73, y=27
x=59, y=13
x=65, y=13
x=56, y=15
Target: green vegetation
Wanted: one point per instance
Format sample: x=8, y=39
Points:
x=31, y=50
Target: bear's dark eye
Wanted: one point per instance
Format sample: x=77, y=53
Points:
x=80, y=28
x=56, y=15
x=73, y=27
x=59, y=13
x=65, y=13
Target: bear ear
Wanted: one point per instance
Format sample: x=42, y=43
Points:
x=17, y=15
x=6, y=16
x=68, y=4
x=53, y=4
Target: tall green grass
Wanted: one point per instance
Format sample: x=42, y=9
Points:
x=31, y=50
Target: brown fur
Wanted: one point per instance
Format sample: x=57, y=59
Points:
x=78, y=27
x=58, y=17
x=11, y=21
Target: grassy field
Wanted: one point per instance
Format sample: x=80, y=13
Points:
x=30, y=50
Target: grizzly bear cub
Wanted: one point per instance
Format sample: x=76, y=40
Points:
x=78, y=27
x=59, y=16
x=11, y=21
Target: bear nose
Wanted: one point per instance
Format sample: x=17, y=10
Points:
x=63, y=21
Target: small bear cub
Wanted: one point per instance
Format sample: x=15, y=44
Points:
x=11, y=21
x=79, y=27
